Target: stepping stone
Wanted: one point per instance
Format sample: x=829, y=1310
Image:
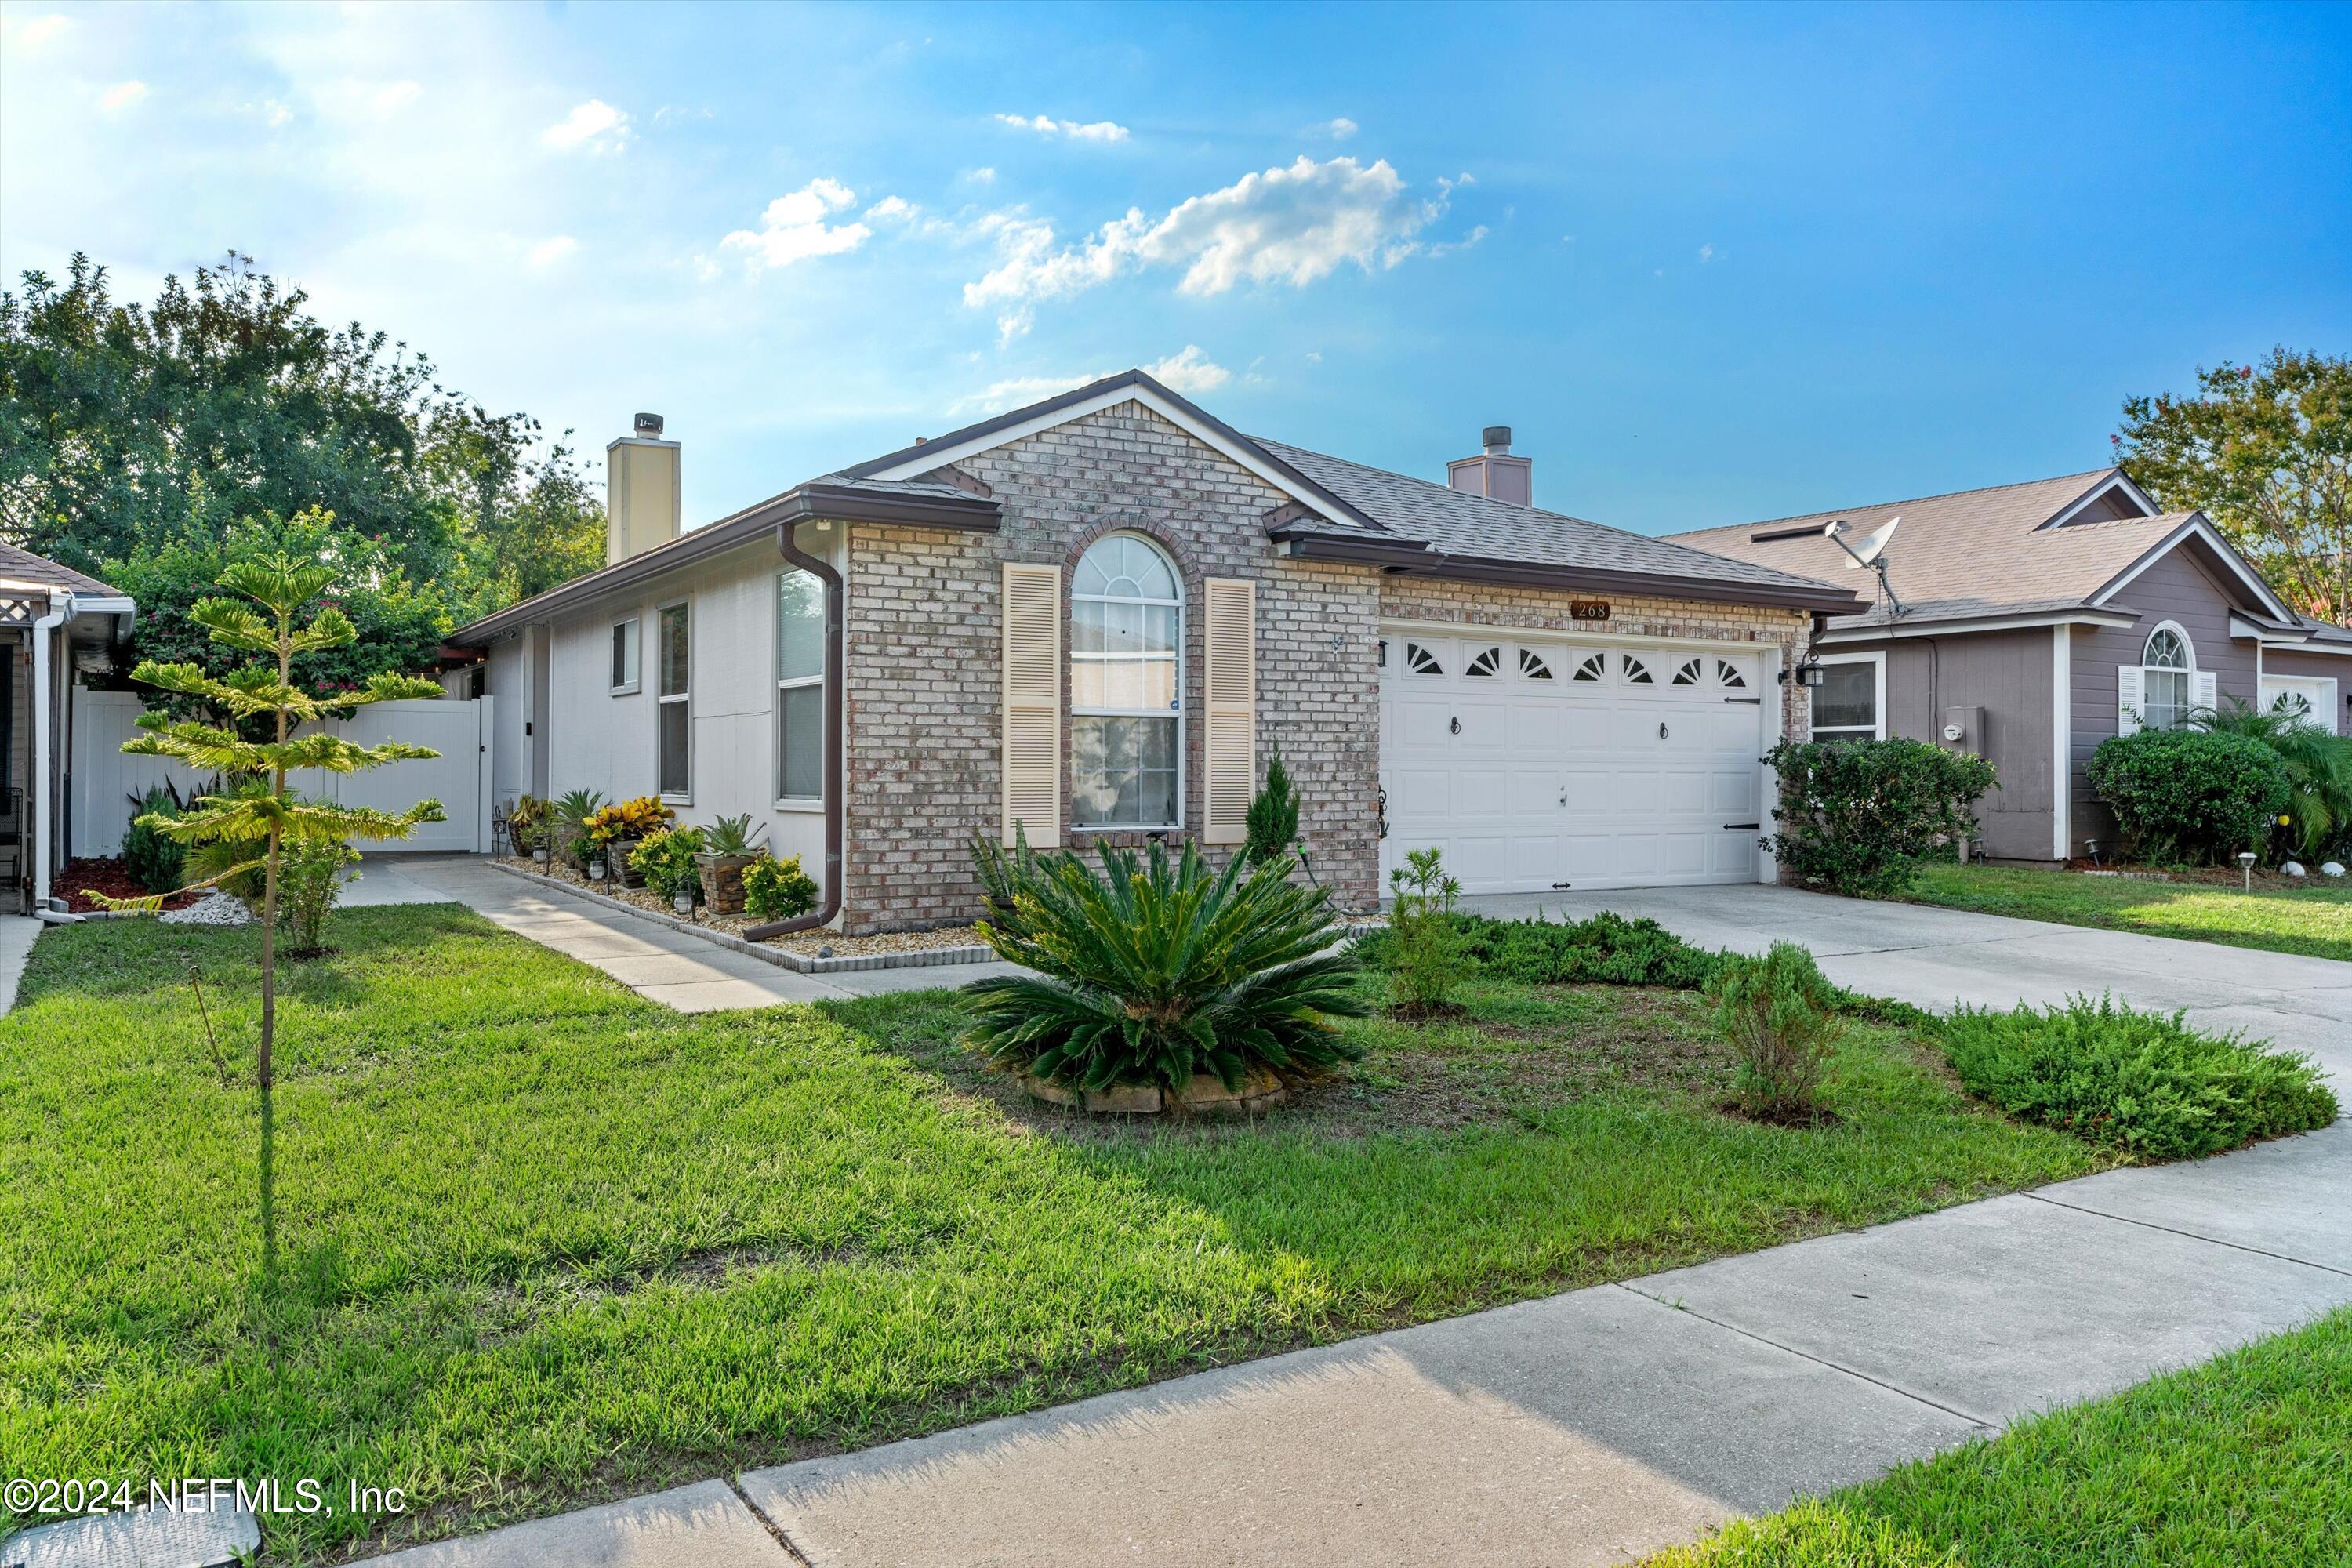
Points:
x=146, y=1536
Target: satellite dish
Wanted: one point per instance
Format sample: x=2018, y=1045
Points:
x=1870, y=549
x=1872, y=553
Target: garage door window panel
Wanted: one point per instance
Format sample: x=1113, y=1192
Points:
x=1126, y=631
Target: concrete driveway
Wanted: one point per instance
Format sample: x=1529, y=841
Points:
x=1933, y=958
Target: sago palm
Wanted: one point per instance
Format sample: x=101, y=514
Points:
x=2318, y=770
x=1153, y=972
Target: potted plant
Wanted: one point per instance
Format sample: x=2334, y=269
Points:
x=617, y=829
x=528, y=824
x=569, y=819
x=726, y=851
x=666, y=862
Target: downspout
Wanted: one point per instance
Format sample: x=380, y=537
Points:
x=835, y=729
x=60, y=611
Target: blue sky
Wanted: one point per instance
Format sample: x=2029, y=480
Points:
x=1712, y=264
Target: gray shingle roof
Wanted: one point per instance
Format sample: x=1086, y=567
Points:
x=1966, y=553
x=24, y=566
x=1459, y=523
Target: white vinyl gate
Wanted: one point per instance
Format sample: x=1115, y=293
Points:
x=104, y=780
x=1539, y=765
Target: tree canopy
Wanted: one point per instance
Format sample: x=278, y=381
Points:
x=2266, y=451
x=138, y=441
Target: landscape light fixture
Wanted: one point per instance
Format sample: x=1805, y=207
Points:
x=2246, y=864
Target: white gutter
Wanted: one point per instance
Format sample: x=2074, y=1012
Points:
x=61, y=609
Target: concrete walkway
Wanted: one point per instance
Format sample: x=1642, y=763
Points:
x=18, y=934
x=661, y=964
x=1597, y=1426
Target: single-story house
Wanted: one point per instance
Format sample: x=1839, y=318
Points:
x=1095, y=618
x=54, y=621
x=2037, y=620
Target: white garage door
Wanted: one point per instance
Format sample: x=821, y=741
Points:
x=1539, y=765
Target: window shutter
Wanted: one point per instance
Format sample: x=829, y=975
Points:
x=2202, y=692
x=2130, y=699
x=1230, y=619
x=1033, y=703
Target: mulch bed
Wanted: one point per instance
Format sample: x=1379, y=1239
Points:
x=108, y=877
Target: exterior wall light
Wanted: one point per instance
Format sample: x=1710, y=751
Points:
x=1809, y=674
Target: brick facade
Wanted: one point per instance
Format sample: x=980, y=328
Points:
x=923, y=646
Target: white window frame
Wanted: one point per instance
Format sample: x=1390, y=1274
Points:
x=1072, y=655
x=2186, y=672
x=632, y=632
x=662, y=699
x=794, y=683
x=1877, y=660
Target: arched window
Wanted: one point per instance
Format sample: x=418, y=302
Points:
x=2167, y=667
x=1127, y=636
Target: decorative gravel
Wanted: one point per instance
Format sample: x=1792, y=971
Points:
x=805, y=942
x=214, y=909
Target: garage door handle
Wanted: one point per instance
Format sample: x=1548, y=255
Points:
x=1751, y=702
x=1748, y=827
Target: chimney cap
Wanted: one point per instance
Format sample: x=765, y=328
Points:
x=1495, y=438
x=649, y=425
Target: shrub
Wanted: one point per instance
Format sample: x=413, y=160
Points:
x=664, y=858
x=1779, y=1012
x=1858, y=816
x=1428, y=946
x=1152, y=973
x=2190, y=795
x=2318, y=764
x=532, y=823
x=152, y=859
x=1607, y=948
x=777, y=889
x=311, y=876
x=1272, y=825
x=636, y=818
x=2141, y=1082
x=568, y=820
x=729, y=835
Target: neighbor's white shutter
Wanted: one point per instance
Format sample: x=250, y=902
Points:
x=2129, y=699
x=1033, y=703
x=1229, y=617
x=2202, y=692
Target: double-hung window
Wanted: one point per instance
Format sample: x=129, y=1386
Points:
x=800, y=688
x=674, y=768
x=1850, y=704
x=1127, y=633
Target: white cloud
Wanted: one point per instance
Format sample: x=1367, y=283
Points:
x=549, y=251
x=1449, y=246
x=793, y=227
x=1188, y=371
x=37, y=32
x=1291, y=225
x=1340, y=129
x=1099, y=131
x=595, y=125
x=274, y=113
x=121, y=95
x=984, y=176
x=892, y=209
x=393, y=95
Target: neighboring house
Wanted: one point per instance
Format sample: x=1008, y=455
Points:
x=2038, y=620
x=1093, y=619
x=53, y=620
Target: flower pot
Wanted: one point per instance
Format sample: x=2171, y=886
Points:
x=617, y=857
x=722, y=881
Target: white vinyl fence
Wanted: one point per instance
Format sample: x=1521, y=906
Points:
x=105, y=781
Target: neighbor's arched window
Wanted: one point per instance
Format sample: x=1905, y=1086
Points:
x=1127, y=704
x=2166, y=669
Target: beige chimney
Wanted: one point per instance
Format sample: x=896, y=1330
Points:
x=1494, y=473
x=641, y=497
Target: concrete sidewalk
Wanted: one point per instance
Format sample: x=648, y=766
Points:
x=661, y=964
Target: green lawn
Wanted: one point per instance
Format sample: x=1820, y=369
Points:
x=549, y=1243
x=2316, y=921
x=2245, y=1461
